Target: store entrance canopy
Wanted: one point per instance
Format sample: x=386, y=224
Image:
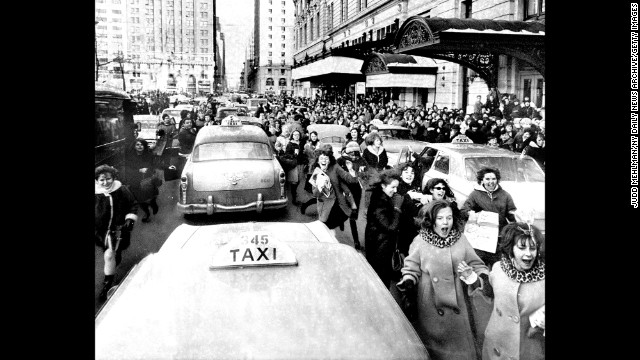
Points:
x=332, y=65
x=473, y=43
x=399, y=70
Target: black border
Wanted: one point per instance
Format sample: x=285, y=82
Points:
x=587, y=188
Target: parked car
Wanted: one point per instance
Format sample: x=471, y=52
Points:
x=254, y=290
x=146, y=127
x=331, y=134
x=253, y=103
x=232, y=168
x=458, y=164
x=224, y=111
x=395, y=138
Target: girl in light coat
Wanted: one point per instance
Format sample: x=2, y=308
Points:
x=443, y=321
x=517, y=284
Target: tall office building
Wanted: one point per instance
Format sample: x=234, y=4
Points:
x=166, y=44
x=270, y=72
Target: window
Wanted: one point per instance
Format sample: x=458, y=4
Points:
x=269, y=62
x=270, y=28
x=283, y=45
x=282, y=2
x=135, y=10
x=282, y=28
x=270, y=45
x=282, y=62
x=533, y=8
x=116, y=20
x=282, y=71
x=330, y=17
x=270, y=36
x=204, y=23
x=116, y=11
x=318, y=24
x=359, y=5
x=270, y=11
x=116, y=28
x=203, y=6
x=135, y=20
x=441, y=163
x=204, y=41
x=269, y=71
x=343, y=14
x=101, y=19
x=311, y=28
x=204, y=32
x=189, y=23
x=101, y=10
x=283, y=12
x=270, y=53
x=282, y=82
x=282, y=20
x=282, y=54
x=270, y=20
x=282, y=37
x=204, y=14
x=269, y=82
x=270, y=2
x=188, y=14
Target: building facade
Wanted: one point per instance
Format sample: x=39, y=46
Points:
x=166, y=45
x=268, y=69
x=332, y=38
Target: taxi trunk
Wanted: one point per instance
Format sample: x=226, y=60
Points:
x=330, y=304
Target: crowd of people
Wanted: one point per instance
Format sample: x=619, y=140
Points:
x=441, y=274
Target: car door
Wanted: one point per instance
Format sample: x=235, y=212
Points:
x=439, y=168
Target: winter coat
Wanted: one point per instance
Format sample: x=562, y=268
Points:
x=535, y=152
x=381, y=233
x=408, y=228
x=443, y=320
x=186, y=137
x=134, y=178
x=506, y=333
x=337, y=176
x=375, y=161
x=112, y=208
x=499, y=201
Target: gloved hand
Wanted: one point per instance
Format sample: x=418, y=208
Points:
x=128, y=225
x=405, y=284
x=397, y=201
x=160, y=132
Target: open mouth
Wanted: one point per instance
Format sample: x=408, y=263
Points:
x=527, y=263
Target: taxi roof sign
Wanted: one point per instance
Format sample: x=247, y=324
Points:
x=253, y=248
x=461, y=139
x=231, y=120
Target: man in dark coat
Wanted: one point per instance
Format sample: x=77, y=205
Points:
x=473, y=133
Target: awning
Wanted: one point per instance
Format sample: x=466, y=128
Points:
x=474, y=43
x=332, y=65
x=378, y=63
x=399, y=70
x=401, y=80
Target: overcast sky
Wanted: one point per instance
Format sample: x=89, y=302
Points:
x=236, y=22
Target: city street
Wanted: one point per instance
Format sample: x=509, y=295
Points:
x=148, y=237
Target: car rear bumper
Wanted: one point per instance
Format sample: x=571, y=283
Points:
x=210, y=207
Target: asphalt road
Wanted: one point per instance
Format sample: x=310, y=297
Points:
x=148, y=237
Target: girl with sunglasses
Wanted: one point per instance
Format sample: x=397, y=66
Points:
x=438, y=189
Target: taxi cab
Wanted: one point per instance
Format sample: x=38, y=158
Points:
x=254, y=290
x=459, y=162
x=146, y=127
x=395, y=138
x=232, y=168
x=237, y=110
x=332, y=134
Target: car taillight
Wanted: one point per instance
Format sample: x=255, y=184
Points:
x=282, y=182
x=183, y=188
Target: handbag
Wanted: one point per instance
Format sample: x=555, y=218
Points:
x=397, y=260
x=170, y=173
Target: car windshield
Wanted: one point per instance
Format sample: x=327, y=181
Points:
x=226, y=151
x=394, y=134
x=224, y=113
x=333, y=139
x=173, y=113
x=511, y=168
